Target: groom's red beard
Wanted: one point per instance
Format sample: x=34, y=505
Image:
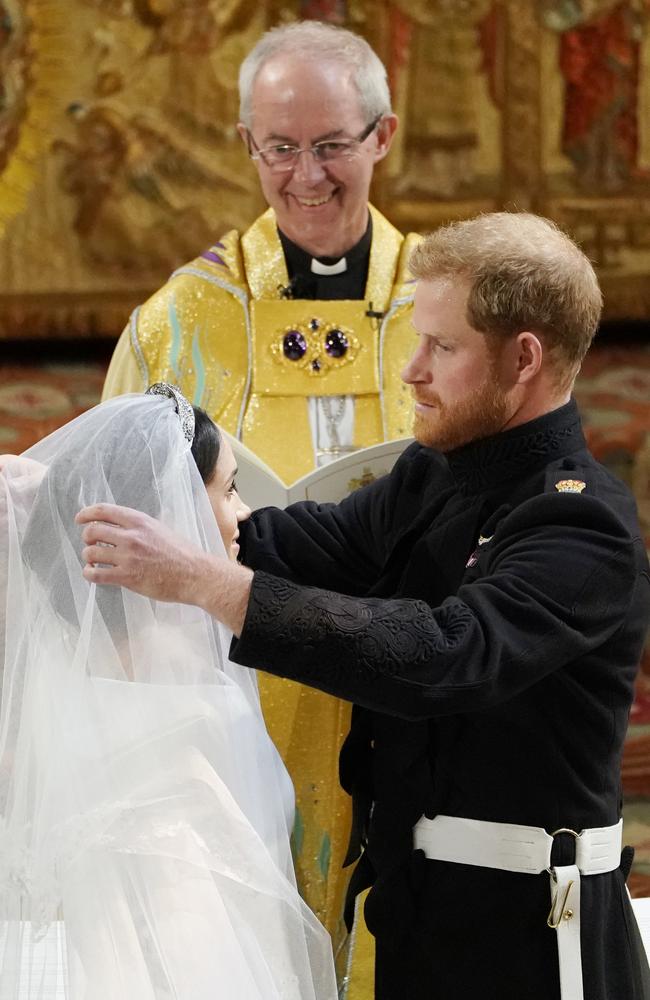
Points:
x=448, y=426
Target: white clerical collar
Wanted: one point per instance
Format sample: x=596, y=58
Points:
x=317, y=267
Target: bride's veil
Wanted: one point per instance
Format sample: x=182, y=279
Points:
x=144, y=813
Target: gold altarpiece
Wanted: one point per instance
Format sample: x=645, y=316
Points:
x=119, y=158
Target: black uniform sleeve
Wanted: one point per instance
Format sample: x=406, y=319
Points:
x=337, y=546
x=558, y=581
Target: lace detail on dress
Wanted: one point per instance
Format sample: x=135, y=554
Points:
x=119, y=827
x=26, y=874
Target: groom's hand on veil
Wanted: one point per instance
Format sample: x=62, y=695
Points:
x=127, y=548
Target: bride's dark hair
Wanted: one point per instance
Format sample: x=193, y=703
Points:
x=206, y=444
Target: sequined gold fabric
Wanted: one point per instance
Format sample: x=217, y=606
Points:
x=178, y=337
x=242, y=378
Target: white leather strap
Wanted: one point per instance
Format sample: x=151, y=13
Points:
x=490, y=845
x=598, y=849
x=512, y=847
x=565, y=918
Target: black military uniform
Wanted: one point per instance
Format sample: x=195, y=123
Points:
x=485, y=612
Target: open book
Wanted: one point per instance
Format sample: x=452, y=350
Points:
x=259, y=486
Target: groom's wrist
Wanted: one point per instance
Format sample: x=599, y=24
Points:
x=222, y=589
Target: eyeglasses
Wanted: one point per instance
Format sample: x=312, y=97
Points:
x=284, y=156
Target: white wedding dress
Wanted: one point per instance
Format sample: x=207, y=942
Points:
x=144, y=813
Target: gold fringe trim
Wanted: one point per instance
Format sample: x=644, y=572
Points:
x=47, y=24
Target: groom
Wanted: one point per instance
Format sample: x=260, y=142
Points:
x=484, y=607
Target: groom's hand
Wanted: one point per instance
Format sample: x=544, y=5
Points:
x=127, y=548
x=130, y=549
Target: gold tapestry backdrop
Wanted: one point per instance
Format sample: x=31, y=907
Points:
x=119, y=157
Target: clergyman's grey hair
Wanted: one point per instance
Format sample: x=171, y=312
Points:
x=314, y=40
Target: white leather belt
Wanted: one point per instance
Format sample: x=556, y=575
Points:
x=527, y=849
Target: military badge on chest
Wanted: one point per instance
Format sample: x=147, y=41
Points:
x=570, y=486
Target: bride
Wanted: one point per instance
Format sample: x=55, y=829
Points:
x=144, y=812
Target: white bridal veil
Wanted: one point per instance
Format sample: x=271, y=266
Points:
x=144, y=812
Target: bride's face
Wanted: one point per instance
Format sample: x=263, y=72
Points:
x=229, y=509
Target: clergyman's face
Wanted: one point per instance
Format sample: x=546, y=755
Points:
x=453, y=374
x=229, y=509
x=321, y=206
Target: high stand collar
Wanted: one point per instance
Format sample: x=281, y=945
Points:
x=490, y=462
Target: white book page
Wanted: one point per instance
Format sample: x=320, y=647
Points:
x=336, y=480
x=259, y=486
